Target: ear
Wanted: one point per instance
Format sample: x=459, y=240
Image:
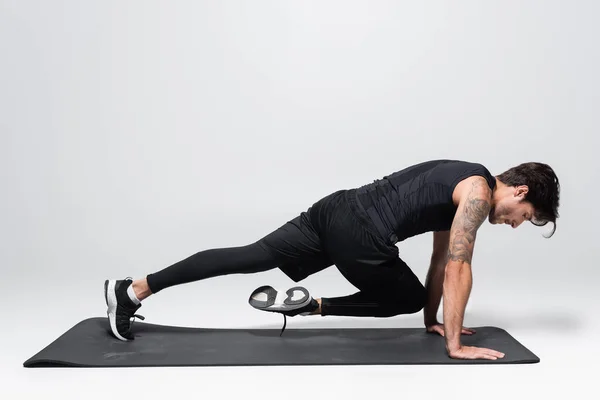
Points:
x=521, y=191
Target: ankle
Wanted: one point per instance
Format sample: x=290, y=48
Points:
x=318, y=310
x=141, y=289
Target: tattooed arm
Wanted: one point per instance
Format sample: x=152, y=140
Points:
x=474, y=202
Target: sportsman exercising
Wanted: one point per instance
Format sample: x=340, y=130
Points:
x=356, y=230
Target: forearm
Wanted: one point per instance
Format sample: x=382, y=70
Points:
x=434, y=287
x=457, y=288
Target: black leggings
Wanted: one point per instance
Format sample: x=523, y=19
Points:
x=333, y=231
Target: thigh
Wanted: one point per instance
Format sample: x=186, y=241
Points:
x=297, y=247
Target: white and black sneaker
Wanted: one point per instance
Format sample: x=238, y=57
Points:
x=294, y=301
x=121, y=309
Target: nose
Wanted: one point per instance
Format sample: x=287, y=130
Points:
x=515, y=224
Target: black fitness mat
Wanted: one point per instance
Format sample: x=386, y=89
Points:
x=90, y=344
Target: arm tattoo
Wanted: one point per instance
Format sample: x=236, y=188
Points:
x=474, y=210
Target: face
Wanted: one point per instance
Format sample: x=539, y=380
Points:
x=511, y=208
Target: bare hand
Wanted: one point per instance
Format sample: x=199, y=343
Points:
x=472, y=353
x=439, y=328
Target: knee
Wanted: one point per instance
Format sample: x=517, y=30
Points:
x=418, y=301
x=410, y=304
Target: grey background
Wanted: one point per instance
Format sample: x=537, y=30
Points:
x=136, y=133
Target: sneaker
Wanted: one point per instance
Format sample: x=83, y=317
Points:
x=121, y=309
x=292, y=302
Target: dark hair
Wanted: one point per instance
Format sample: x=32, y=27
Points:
x=544, y=189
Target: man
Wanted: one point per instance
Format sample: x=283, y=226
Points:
x=356, y=230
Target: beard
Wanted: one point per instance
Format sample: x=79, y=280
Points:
x=498, y=215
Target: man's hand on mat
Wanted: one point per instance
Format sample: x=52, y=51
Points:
x=472, y=353
x=439, y=328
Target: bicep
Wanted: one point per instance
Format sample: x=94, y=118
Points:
x=473, y=209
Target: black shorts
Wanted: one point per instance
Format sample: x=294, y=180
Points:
x=336, y=231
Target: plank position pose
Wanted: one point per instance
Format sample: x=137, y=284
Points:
x=356, y=230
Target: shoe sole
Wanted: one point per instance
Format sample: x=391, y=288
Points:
x=279, y=301
x=110, y=296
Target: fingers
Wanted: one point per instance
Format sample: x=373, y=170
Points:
x=495, y=353
x=469, y=352
x=440, y=329
x=436, y=329
x=489, y=354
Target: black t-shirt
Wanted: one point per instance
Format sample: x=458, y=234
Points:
x=418, y=198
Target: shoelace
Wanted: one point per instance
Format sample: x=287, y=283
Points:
x=132, y=319
x=134, y=316
x=284, y=324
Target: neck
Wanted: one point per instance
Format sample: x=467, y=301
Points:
x=497, y=190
